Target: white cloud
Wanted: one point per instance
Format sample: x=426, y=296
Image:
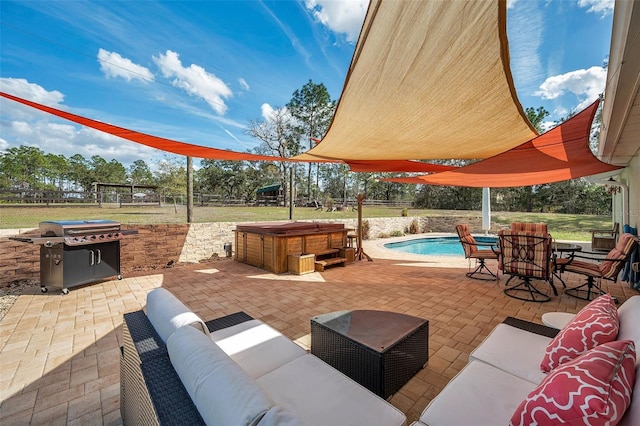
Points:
x=267, y=111
x=243, y=83
x=276, y=115
x=33, y=92
x=112, y=64
x=525, y=30
x=194, y=80
x=602, y=7
x=586, y=84
x=23, y=125
x=23, y=89
x=344, y=17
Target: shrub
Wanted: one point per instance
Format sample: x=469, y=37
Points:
x=365, y=229
x=405, y=212
x=414, y=227
x=383, y=235
x=397, y=234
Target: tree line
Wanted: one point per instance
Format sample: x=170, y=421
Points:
x=285, y=132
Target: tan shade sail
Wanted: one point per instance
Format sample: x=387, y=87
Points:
x=560, y=154
x=429, y=79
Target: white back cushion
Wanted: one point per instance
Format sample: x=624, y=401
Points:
x=221, y=391
x=629, y=315
x=167, y=313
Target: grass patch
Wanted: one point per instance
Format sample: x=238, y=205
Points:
x=561, y=226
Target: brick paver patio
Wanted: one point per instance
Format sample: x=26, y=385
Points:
x=59, y=355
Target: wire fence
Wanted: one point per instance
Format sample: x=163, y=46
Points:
x=39, y=198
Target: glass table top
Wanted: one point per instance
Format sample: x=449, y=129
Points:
x=376, y=329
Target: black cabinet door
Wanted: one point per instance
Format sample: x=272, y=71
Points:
x=85, y=264
x=107, y=259
x=78, y=265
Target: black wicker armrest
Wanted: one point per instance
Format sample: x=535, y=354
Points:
x=151, y=392
x=532, y=327
x=171, y=403
x=140, y=335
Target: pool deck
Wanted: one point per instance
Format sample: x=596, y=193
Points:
x=377, y=249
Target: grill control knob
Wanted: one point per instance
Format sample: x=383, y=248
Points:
x=116, y=235
x=93, y=237
x=102, y=236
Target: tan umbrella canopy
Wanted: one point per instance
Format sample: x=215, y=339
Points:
x=428, y=80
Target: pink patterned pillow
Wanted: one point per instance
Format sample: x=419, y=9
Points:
x=595, y=324
x=593, y=389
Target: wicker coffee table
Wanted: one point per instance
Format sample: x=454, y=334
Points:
x=378, y=349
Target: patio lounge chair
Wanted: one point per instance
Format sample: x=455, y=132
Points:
x=597, y=268
x=604, y=239
x=471, y=251
x=526, y=256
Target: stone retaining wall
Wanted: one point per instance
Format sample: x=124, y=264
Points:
x=160, y=246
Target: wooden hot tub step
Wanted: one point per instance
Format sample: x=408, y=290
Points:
x=321, y=264
x=325, y=252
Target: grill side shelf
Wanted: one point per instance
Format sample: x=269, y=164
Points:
x=46, y=241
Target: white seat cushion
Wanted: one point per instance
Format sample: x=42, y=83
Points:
x=256, y=347
x=478, y=395
x=278, y=416
x=320, y=395
x=221, y=391
x=167, y=313
x=515, y=351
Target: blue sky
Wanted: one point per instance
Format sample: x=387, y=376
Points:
x=198, y=71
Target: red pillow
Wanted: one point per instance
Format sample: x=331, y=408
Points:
x=595, y=324
x=593, y=389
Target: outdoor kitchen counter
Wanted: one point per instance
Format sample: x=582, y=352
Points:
x=267, y=245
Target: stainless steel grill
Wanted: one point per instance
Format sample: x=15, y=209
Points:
x=76, y=252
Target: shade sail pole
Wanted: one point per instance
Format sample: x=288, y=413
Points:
x=360, y=252
x=486, y=210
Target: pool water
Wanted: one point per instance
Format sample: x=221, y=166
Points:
x=439, y=246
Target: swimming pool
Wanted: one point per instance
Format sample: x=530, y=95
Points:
x=438, y=246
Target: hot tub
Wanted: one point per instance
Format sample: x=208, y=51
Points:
x=267, y=245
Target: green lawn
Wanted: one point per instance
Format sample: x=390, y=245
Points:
x=561, y=226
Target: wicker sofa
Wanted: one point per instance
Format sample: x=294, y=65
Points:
x=504, y=371
x=177, y=369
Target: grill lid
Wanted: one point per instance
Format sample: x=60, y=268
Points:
x=77, y=232
x=61, y=228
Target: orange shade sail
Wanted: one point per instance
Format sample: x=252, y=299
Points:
x=560, y=154
x=396, y=166
x=145, y=139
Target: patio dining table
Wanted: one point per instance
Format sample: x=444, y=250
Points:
x=562, y=254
